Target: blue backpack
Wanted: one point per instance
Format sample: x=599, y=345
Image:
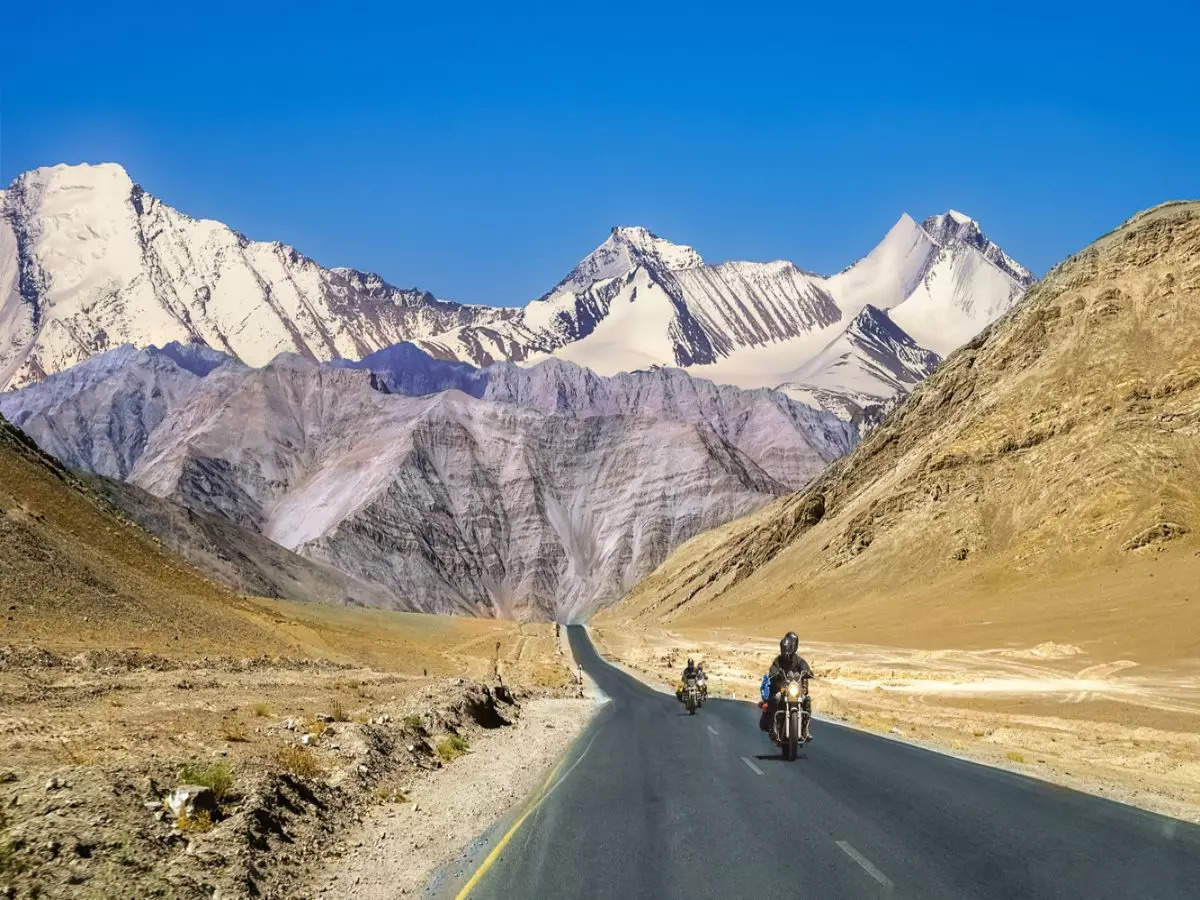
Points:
x=765, y=687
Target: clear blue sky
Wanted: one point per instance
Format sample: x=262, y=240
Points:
x=478, y=151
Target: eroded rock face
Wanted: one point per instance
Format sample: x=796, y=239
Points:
x=542, y=491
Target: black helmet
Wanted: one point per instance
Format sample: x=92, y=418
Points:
x=691, y=663
x=787, y=647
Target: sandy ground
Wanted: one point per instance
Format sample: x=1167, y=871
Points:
x=92, y=744
x=1106, y=726
x=399, y=846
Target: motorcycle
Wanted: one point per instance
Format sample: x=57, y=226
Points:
x=702, y=688
x=793, y=712
x=691, y=695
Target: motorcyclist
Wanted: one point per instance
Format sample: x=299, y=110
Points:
x=787, y=662
x=688, y=672
x=702, y=681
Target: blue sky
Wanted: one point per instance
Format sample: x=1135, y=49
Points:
x=479, y=150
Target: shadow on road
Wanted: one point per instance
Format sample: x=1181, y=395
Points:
x=778, y=757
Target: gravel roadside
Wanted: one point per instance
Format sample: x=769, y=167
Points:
x=397, y=848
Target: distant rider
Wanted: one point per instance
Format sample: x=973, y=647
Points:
x=689, y=672
x=702, y=681
x=787, y=662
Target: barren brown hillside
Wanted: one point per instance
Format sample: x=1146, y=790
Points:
x=1043, y=484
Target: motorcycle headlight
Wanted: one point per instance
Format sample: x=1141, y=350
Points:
x=793, y=690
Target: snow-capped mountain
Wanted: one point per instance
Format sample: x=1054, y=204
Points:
x=542, y=491
x=89, y=261
x=638, y=300
x=868, y=363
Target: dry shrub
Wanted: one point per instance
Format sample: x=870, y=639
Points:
x=299, y=762
x=216, y=775
x=452, y=747
x=261, y=710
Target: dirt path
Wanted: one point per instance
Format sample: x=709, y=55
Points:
x=399, y=846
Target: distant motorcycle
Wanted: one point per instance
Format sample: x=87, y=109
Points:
x=691, y=695
x=792, y=714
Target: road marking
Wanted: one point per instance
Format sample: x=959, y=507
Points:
x=867, y=865
x=503, y=842
x=711, y=729
x=753, y=768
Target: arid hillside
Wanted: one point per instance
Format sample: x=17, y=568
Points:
x=77, y=574
x=1043, y=484
x=129, y=680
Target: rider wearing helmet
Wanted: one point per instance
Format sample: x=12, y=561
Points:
x=689, y=672
x=788, y=661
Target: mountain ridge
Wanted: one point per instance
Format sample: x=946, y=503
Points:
x=89, y=261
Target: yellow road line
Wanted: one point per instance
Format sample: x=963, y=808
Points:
x=541, y=795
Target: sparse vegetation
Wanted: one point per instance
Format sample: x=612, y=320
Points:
x=1014, y=756
x=299, y=762
x=338, y=711
x=261, y=710
x=452, y=747
x=414, y=723
x=391, y=795
x=216, y=775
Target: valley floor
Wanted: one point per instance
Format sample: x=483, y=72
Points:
x=1111, y=727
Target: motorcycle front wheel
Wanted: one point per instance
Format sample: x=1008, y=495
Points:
x=793, y=735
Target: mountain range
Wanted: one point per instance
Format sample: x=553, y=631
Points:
x=542, y=492
x=90, y=261
x=532, y=462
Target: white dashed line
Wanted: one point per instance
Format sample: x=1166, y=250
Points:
x=711, y=729
x=753, y=768
x=867, y=865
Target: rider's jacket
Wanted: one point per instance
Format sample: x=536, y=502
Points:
x=690, y=672
x=779, y=669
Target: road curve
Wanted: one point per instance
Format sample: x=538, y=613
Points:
x=651, y=802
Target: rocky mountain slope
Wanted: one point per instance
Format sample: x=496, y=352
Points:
x=89, y=261
x=1033, y=485
x=540, y=492
x=71, y=565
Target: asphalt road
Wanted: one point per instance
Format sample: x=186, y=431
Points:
x=652, y=802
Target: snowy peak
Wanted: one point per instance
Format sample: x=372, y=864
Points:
x=873, y=360
x=626, y=248
x=90, y=261
x=953, y=227
x=890, y=272
x=647, y=245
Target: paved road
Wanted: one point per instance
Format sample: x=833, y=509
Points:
x=652, y=802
